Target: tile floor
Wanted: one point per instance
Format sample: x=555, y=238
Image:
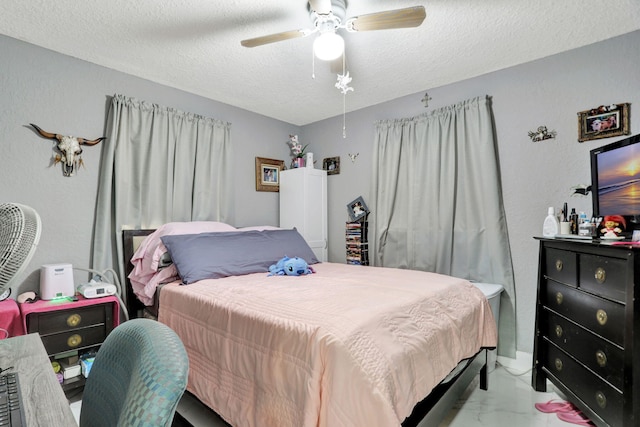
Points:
x=508, y=402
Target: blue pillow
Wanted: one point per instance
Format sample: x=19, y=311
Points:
x=221, y=254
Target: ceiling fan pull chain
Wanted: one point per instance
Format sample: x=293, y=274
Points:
x=344, y=115
x=313, y=66
x=344, y=99
x=343, y=85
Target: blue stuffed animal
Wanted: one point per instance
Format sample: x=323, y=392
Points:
x=290, y=266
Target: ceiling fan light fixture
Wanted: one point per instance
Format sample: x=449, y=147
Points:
x=328, y=46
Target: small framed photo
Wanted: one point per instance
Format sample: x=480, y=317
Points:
x=268, y=174
x=357, y=209
x=603, y=122
x=331, y=165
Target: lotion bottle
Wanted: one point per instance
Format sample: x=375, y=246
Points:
x=550, y=227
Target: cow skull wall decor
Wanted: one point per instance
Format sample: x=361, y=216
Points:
x=68, y=149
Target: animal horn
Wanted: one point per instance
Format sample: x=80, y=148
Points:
x=46, y=134
x=83, y=141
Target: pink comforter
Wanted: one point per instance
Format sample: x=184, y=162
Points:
x=347, y=346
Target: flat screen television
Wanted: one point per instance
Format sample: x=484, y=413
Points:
x=615, y=181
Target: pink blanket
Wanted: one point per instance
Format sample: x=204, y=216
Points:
x=347, y=346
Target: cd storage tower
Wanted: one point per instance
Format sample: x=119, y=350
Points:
x=357, y=244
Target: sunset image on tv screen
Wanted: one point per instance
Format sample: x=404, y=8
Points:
x=619, y=181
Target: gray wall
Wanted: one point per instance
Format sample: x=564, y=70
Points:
x=65, y=95
x=71, y=97
x=535, y=175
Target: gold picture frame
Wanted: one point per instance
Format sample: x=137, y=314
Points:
x=331, y=165
x=603, y=122
x=268, y=174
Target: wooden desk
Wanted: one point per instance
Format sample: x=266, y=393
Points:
x=44, y=402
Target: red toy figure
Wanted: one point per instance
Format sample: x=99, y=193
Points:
x=612, y=228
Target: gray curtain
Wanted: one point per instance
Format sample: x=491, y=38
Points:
x=437, y=201
x=158, y=165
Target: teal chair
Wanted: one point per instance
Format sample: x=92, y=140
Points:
x=137, y=377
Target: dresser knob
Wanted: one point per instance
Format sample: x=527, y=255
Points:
x=558, y=331
x=600, y=275
x=559, y=298
x=601, y=399
x=558, y=365
x=601, y=358
x=74, y=340
x=559, y=265
x=74, y=320
x=601, y=316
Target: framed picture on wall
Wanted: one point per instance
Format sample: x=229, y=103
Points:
x=357, y=209
x=331, y=165
x=268, y=174
x=603, y=122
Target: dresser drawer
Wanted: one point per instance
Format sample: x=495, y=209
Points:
x=596, y=393
x=74, y=339
x=602, y=357
x=62, y=320
x=604, y=276
x=561, y=266
x=603, y=317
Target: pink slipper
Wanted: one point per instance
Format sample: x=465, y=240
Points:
x=554, y=406
x=575, y=417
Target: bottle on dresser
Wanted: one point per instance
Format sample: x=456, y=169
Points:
x=550, y=227
x=573, y=220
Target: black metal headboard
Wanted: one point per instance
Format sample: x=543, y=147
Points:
x=131, y=239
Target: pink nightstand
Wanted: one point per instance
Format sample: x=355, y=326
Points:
x=71, y=326
x=10, y=319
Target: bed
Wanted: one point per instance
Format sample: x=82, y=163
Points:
x=345, y=346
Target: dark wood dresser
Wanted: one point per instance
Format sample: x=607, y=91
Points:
x=586, y=315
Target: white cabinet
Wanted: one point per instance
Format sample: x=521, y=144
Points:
x=303, y=205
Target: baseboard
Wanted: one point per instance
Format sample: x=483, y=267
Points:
x=522, y=363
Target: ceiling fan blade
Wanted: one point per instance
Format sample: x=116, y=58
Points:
x=272, y=38
x=400, y=18
x=321, y=7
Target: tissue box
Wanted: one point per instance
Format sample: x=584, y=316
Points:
x=86, y=364
x=70, y=371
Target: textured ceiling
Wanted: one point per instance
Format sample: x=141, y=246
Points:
x=194, y=45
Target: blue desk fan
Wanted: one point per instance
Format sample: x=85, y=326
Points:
x=20, y=228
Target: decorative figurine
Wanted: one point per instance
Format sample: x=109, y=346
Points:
x=611, y=226
x=343, y=83
x=541, y=134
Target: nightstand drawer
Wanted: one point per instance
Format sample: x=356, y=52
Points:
x=63, y=320
x=603, y=399
x=604, y=276
x=561, y=266
x=74, y=339
x=603, y=317
x=602, y=357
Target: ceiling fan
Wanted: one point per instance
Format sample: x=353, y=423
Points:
x=329, y=15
